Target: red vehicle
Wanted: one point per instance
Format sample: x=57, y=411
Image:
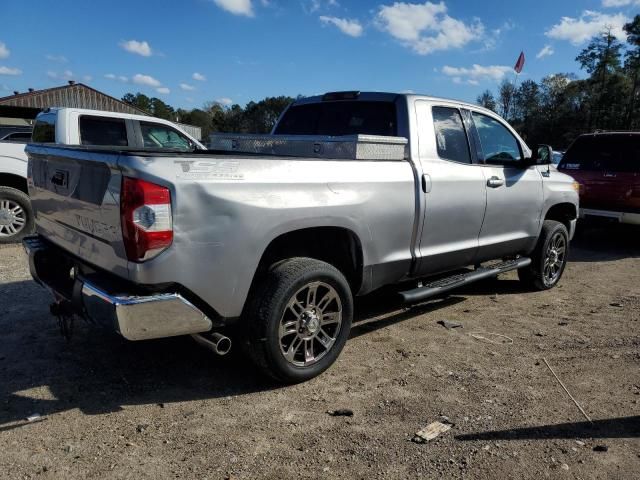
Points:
x=607, y=167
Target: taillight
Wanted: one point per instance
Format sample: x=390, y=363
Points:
x=145, y=211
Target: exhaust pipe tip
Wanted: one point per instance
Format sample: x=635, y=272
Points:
x=214, y=341
x=222, y=343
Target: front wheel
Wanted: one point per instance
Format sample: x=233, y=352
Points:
x=549, y=258
x=299, y=319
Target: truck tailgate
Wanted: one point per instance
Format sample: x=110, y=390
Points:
x=75, y=195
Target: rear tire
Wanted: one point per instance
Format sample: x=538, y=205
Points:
x=549, y=257
x=16, y=215
x=299, y=319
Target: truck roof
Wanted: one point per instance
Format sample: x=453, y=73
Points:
x=104, y=113
x=382, y=97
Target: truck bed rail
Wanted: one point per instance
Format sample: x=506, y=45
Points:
x=349, y=147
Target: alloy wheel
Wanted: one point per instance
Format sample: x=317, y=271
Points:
x=554, y=258
x=310, y=324
x=12, y=218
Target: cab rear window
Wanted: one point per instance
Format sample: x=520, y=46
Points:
x=339, y=118
x=600, y=153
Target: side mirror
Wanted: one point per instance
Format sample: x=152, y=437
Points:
x=542, y=155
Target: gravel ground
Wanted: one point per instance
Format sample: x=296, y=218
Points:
x=160, y=409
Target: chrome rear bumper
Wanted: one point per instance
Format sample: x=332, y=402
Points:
x=134, y=317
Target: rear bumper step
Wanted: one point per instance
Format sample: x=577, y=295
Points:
x=444, y=285
x=134, y=317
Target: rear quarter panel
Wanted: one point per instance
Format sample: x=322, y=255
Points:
x=226, y=211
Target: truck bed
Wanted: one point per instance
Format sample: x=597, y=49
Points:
x=226, y=210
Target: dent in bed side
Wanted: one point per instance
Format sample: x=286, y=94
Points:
x=223, y=227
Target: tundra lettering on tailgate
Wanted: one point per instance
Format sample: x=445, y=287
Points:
x=96, y=228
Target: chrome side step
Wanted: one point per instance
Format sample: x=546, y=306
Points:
x=444, y=285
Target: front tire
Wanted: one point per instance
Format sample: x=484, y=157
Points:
x=299, y=319
x=16, y=215
x=549, y=258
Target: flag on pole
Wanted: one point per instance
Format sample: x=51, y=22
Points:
x=520, y=63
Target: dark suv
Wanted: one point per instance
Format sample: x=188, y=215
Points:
x=607, y=167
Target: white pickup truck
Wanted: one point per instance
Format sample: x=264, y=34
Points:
x=75, y=126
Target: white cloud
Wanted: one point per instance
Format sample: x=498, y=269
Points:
x=619, y=3
x=186, y=87
x=66, y=75
x=146, y=80
x=476, y=73
x=426, y=27
x=224, y=101
x=236, y=7
x=56, y=58
x=199, y=77
x=493, y=37
x=353, y=28
x=9, y=71
x=136, y=47
x=120, y=78
x=312, y=6
x=590, y=24
x=87, y=78
x=4, y=51
x=546, y=51
x=163, y=90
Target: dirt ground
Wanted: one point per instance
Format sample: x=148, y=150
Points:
x=169, y=409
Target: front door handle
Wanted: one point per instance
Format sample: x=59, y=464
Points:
x=426, y=183
x=495, y=182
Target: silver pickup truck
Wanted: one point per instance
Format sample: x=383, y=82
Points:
x=267, y=239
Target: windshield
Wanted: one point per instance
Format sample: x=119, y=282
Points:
x=339, y=118
x=613, y=153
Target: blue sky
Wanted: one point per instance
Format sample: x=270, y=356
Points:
x=192, y=51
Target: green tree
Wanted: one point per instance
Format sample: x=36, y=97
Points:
x=199, y=118
x=601, y=60
x=138, y=100
x=261, y=117
x=506, y=92
x=487, y=100
x=632, y=69
x=526, y=109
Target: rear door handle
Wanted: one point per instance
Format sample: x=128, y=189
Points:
x=495, y=182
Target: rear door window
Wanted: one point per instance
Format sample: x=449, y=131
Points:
x=156, y=135
x=44, y=131
x=339, y=118
x=602, y=153
x=451, y=138
x=103, y=131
